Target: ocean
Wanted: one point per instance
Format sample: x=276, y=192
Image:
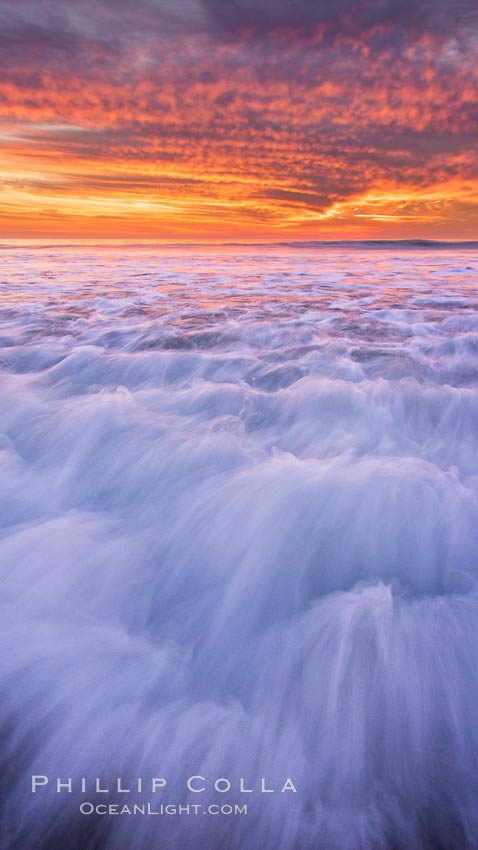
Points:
x=239, y=547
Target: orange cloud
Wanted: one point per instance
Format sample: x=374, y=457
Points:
x=198, y=137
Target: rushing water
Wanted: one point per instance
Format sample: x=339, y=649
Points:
x=239, y=539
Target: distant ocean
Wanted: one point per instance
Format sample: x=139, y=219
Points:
x=239, y=542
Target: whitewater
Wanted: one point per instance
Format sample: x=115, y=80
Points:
x=239, y=539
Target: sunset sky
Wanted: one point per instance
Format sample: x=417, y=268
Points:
x=235, y=119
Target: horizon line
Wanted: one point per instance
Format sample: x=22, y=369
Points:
x=309, y=243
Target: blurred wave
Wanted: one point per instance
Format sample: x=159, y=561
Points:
x=239, y=538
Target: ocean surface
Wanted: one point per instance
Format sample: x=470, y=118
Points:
x=239, y=539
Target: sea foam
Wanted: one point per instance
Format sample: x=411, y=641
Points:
x=239, y=538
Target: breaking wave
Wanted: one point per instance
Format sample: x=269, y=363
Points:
x=239, y=539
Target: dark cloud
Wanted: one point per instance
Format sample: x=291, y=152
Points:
x=92, y=32
x=90, y=35
x=348, y=17
x=98, y=30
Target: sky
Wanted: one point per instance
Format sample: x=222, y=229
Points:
x=239, y=119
